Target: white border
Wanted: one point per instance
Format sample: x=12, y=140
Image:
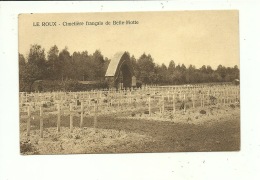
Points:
x=218, y=165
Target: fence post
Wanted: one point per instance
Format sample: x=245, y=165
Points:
x=71, y=118
x=184, y=103
x=162, y=106
x=81, y=115
x=193, y=103
x=149, y=101
x=58, y=120
x=29, y=121
x=41, y=122
x=173, y=104
x=237, y=95
x=203, y=103
x=228, y=100
x=95, y=114
x=118, y=99
x=224, y=98
x=208, y=98
x=130, y=93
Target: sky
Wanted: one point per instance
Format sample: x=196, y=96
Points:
x=187, y=37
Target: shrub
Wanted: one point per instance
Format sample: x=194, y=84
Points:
x=27, y=147
x=202, y=112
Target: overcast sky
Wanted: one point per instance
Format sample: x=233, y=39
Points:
x=188, y=37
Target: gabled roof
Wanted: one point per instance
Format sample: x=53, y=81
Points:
x=112, y=67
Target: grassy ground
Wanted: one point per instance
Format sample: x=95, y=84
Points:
x=216, y=130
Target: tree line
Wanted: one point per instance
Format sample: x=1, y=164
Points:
x=61, y=66
x=151, y=73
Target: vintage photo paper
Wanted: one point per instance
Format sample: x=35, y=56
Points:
x=129, y=82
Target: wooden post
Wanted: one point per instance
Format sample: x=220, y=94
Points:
x=130, y=100
x=203, y=100
x=193, y=103
x=61, y=109
x=162, y=106
x=184, y=104
x=215, y=97
x=224, y=98
x=118, y=99
x=29, y=121
x=58, y=120
x=41, y=122
x=149, y=101
x=179, y=97
x=95, y=115
x=219, y=98
x=71, y=119
x=237, y=95
x=208, y=98
x=81, y=115
x=65, y=97
x=173, y=104
x=233, y=96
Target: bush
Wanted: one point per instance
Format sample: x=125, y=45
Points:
x=26, y=147
x=138, y=84
x=68, y=85
x=203, y=111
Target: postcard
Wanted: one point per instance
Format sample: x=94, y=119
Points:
x=129, y=82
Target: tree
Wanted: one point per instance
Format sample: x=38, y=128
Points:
x=61, y=65
x=97, y=62
x=189, y=75
x=163, y=74
x=215, y=76
x=203, y=69
x=37, y=56
x=87, y=67
x=65, y=64
x=146, y=69
x=52, y=62
x=209, y=70
x=22, y=67
x=78, y=61
x=183, y=68
x=171, y=66
x=134, y=63
x=235, y=72
x=170, y=70
x=21, y=60
x=36, y=67
x=222, y=71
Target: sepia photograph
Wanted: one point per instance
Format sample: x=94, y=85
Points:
x=129, y=82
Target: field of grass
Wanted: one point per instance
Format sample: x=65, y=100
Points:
x=216, y=128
